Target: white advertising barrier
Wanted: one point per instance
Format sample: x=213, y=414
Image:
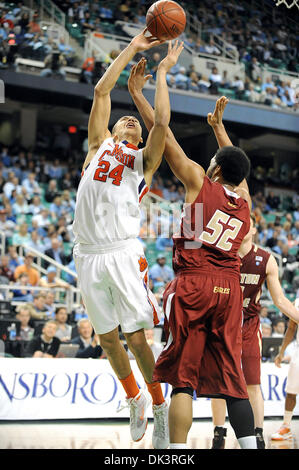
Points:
x=32, y=389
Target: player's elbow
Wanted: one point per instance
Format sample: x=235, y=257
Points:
x=100, y=90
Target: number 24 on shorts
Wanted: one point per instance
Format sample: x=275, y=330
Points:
x=101, y=173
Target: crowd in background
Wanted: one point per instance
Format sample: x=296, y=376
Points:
x=258, y=37
x=37, y=202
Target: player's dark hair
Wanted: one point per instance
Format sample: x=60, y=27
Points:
x=252, y=216
x=234, y=164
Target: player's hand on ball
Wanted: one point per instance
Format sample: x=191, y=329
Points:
x=137, y=78
x=173, y=54
x=215, y=119
x=143, y=43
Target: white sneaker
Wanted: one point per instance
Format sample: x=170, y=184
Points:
x=160, y=438
x=138, y=419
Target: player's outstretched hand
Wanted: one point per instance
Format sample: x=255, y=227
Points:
x=141, y=42
x=215, y=119
x=173, y=54
x=137, y=78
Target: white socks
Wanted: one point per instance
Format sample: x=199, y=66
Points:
x=248, y=442
x=287, y=418
x=178, y=446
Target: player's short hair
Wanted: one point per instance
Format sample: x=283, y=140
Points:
x=252, y=216
x=234, y=164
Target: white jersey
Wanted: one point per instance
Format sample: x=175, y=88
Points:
x=108, y=197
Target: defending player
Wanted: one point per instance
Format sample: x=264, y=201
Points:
x=292, y=385
x=257, y=266
x=178, y=162
x=203, y=304
x=110, y=262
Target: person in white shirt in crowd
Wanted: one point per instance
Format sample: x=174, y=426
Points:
x=35, y=242
x=279, y=328
x=31, y=185
x=50, y=303
x=36, y=206
x=42, y=219
x=20, y=206
x=24, y=316
x=6, y=225
x=64, y=331
x=50, y=281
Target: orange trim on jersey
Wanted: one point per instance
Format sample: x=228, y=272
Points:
x=155, y=314
x=143, y=193
x=131, y=146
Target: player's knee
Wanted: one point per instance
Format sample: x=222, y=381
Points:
x=136, y=345
x=109, y=344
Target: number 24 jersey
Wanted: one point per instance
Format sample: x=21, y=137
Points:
x=109, y=194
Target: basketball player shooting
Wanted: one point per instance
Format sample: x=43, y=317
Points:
x=257, y=266
x=203, y=304
x=110, y=262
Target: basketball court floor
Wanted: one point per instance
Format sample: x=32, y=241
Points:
x=114, y=434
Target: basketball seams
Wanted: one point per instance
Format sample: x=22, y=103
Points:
x=158, y=12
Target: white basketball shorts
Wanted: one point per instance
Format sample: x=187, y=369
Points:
x=292, y=385
x=114, y=287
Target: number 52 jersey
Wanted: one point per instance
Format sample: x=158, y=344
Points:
x=211, y=232
x=109, y=194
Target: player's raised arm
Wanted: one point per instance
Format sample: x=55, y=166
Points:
x=276, y=292
x=155, y=145
x=101, y=106
x=187, y=171
x=216, y=122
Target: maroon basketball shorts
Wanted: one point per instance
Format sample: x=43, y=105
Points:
x=203, y=328
x=251, y=350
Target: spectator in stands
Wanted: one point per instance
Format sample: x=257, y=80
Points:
x=87, y=23
x=88, y=69
x=39, y=311
x=42, y=219
x=225, y=82
x=20, y=207
x=5, y=270
x=153, y=63
x=264, y=316
x=46, y=344
x=36, y=206
x=268, y=84
x=50, y=304
x=211, y=48
x=56, y=209
x=7, y=226
x=14, y=259
x=255, y=71
x=35, y=242
x=181, y=79
x=56, y=253
x=289, y=264
x=50, y=281
x=52, y=191
x=24, y=316
x=89, y=345
x=27, y=268
x=278, y=328
x=252, y=95
x=22, y=292
x=22, y=236
x=54, y=64
x=64, y=331
x=266, y=330
x=31, y=185
x=273, y=201
x=160, y=272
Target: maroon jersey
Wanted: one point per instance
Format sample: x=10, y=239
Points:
x=212, y=229
x=253, y=275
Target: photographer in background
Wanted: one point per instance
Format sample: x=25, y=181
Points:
x=54, y=64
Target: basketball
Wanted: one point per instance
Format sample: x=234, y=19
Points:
x=166, y=19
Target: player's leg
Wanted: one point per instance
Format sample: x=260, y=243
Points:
x=284, y=431
x=143, y=354
x=218, y=407
x=180, y=417
x=257, y=403
x=242, y=421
